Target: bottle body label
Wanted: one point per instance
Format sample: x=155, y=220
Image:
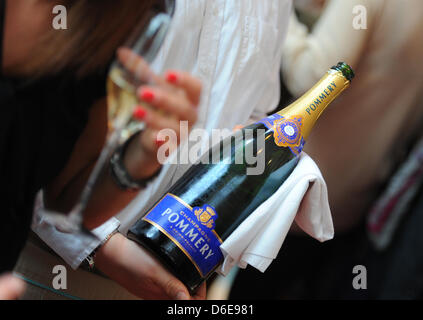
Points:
x=191, y=229
x=286, y=131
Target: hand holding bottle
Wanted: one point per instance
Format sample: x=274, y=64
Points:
x=139, y=272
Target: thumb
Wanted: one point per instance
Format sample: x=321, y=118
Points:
x=11, y=287
x=175, y=289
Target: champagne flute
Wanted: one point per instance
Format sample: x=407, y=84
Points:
x=128, y=72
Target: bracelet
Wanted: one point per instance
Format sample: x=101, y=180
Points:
x=89, y=261
x=120, y=174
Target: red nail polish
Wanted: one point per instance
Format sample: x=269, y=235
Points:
x=159, y=142
x=139, y=113
x=147, y=95
x=172, y=77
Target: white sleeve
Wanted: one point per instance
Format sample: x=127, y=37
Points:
x=308, y=55
x=73, y=248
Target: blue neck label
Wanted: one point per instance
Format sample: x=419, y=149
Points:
x=191, y=229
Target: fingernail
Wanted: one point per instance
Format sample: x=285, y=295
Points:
x=147, y=95
x=159, y=142
x=139, y=113
x=181, y=296
x=172, y=77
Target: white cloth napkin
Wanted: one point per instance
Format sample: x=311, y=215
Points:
x=303, y=198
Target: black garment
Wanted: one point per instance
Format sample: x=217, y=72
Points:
x=40, y=122
x=2, y=15
x=307, y=269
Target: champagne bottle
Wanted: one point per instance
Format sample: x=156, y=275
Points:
x=186, y=227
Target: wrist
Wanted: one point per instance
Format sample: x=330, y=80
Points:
x=140, y=163
x=109, y=254
x=130, y=168
x=90, y=261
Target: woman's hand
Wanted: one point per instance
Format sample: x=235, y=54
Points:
x=137, y=271
x=175, y=99
x=172, y=99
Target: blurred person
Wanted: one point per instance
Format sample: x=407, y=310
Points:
x=309, y=11
x=54, y=122
x=234, y=47
x=358, y=144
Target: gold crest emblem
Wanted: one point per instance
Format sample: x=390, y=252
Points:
x=287, y=132
x=206, y=216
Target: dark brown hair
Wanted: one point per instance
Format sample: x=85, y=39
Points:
x=95, y=29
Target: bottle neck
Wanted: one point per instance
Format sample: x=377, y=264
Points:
x=311, y=105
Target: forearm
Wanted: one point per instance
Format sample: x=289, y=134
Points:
x=107, y=197
x=106, y=200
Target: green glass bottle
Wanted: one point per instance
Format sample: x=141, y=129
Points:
x=186, y=227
